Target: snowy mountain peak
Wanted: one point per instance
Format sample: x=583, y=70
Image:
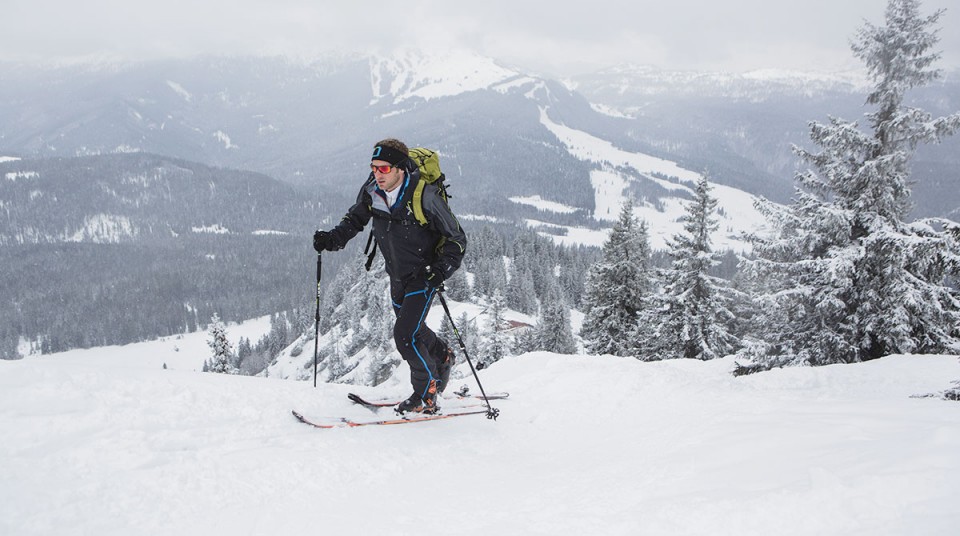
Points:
x=413, y=73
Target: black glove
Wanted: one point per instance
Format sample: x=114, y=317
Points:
x=434, y=278
x=321, y=241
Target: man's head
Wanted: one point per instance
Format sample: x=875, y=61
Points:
x=387, y=163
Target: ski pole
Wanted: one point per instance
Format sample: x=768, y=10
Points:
x=316, y=318
x=492, y=413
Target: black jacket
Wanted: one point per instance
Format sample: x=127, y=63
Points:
x=407, y=247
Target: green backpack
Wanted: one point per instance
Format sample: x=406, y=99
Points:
x=429, y=163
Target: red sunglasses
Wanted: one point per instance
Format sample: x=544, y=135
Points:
x=382, y=169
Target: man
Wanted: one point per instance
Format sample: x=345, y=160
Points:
x=418, y=258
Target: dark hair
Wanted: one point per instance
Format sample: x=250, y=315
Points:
x=394, y=143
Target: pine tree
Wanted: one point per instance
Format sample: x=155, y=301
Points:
x=616, y=287
x=571, y=277
x=244, y=353
x=851, y=280
x=278, y=338
x=222, y=360
x=491, y=275
x=458, y=286
x=521, y=295
x=553, y=332
x=693, y=317
x=468, y=331
x=496, y=340
x=447, y=333
x=526, y=340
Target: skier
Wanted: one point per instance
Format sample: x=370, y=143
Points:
x=418, y=258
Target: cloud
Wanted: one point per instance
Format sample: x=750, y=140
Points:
x=561, y=37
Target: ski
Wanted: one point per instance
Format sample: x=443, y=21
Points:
x=390, y=403
x=305, y=420
x=405, y=419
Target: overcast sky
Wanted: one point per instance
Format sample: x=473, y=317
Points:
x=553, y=37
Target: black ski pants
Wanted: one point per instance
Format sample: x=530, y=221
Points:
x=418, y=344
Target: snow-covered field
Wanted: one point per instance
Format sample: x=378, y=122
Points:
x=108, y=442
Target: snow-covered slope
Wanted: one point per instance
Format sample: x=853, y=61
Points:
x=366, y=365
x=116, y=445
x=618, y=169
x=405, y=75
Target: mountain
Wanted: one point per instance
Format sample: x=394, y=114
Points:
x=139, y=198
x=742, y=126
x=108, y=441
x=122, y=170
x=311, y=124
x=118, y=248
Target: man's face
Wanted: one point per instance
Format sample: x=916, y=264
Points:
x=389, y=180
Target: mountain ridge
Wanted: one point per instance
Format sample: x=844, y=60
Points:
x=307, y=123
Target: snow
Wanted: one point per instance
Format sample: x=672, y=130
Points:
x=477, y=217
x=104, y=229
x=590, y=148
x=106, y=442
x=13, y=176
x=568, y=235
x=736, y=212
x=416, y=74
x=267, y=232
x=542, y=204
x=178, y=352
x=608, y=187
x=179, y=90
x=212, y=229
x=609, y=111
x=294, y=362
x=517, y=83
x=223, y=138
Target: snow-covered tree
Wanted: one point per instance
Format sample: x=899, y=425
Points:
x=851, y=279
x=468, y=331
x=458, y=286
x=368, y=311
x=693, y=318
x=222, y=360
x=486, y=261
x=553, y=333
x=616, y=287
x=521, y=295
x=496, y=341
x=491, y=276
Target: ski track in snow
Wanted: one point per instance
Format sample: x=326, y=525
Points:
x=108, y=442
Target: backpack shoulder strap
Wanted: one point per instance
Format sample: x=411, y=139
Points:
x=418, y=203
x=418, y=197
x=372, y=252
